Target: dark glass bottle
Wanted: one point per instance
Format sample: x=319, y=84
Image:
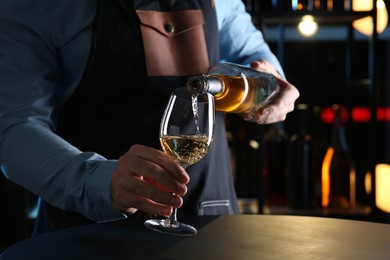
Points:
x=336, y=5
x=275, y=166
x=338, y=171
x=282, y=5
x=320, y=144
x=301, y=185
x=323, y=5
x=301, y=5
x=340, y=5
x=264, y=5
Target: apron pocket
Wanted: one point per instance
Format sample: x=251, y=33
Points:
x=174, y=42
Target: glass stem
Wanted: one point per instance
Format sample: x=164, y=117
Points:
x=173, y=217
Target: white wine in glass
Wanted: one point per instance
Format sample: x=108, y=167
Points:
x=186, y=133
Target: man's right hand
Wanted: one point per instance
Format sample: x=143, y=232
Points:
x=147, y=179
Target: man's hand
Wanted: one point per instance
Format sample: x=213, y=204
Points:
x=147, y=179
x=283, y=104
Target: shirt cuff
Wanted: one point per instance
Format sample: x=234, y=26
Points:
x=99, y=189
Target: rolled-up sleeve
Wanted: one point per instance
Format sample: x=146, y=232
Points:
x=240, y=41
x=31, y=89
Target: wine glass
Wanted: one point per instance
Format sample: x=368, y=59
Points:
x=186, y=133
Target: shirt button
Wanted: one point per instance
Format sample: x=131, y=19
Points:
x=169, y=28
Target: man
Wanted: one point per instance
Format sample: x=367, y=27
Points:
x=82, y=89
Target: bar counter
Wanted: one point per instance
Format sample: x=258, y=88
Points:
x=219, y=237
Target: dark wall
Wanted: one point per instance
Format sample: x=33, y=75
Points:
x=14, y=222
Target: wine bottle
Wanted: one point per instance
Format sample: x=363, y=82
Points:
x=320, y=145
x=341, y=5
x=338, y=171
x=302, y=5
x=281, y=5
x=275, y=166
x=324, y=5
x=301, y=184
x=236, y=89
x=264, y=5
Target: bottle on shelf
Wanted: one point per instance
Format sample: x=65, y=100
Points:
x=264, y=5
x=323, y=5
x=338, y=170
x=275, y=167
x=301, y=181
x=332, y=5
x=256, y=6
x=341, y=5
x=302, y=5
x=281, y=5
x=236, y=88
x=320, y=144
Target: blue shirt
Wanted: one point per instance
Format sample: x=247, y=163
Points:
x=44, y=46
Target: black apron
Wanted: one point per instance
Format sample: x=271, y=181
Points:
x=140, y=51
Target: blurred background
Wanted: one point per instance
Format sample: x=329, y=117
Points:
x=329, y=158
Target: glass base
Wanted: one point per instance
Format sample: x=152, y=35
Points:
x=176, y=228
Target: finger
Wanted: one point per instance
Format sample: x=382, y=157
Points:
x=146, y=205
x=153, y=208
x=265, y=66
x=164, y=161
x=278, y=109
x=138, y=161
x=142, y=204
x=150, y=191
x=140, y=195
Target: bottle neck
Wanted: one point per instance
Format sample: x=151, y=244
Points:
x=203, y=83
x=338, y=133
x=338, y=138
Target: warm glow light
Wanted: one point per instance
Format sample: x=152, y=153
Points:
x=364, y=25
x=254, y=144
x=358, y=114
x=325, y=182
x=361, y=114
x=352, y=187
x=383, y=114
x=382, y=184
x=307, y=27
x=326, y=177
x=368, y=183
x=327, y=115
